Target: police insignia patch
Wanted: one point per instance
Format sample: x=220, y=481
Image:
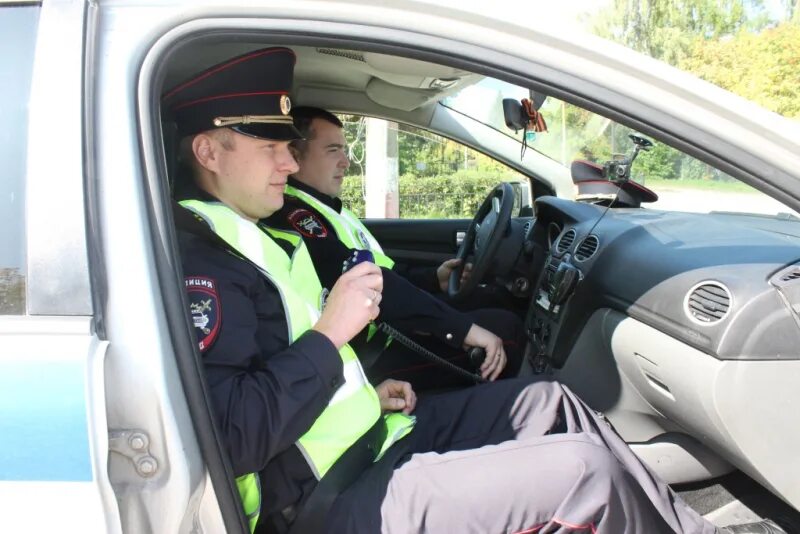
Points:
x=307, y=223
x=205, y=308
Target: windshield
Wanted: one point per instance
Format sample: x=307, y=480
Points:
x=681, y=182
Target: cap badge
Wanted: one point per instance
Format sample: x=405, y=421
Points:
x=286, y=105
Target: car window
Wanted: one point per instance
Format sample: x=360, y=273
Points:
x=410, y=173
x=682, y=183
x=18, y=25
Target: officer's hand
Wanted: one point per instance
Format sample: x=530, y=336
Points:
x=496, y=359
x=444, y=270
x=396, y=395
x=352, y=303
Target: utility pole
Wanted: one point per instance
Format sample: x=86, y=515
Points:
x=381, y=170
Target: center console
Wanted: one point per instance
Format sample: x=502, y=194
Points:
x=553, y=289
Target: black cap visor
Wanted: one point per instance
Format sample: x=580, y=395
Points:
x=264, y=130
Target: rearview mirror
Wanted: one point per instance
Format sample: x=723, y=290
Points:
x=514, y=114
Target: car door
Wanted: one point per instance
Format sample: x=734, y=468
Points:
x=54, y=444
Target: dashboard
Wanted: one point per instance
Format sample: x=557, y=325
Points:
x=682, y=328
x=727, y=285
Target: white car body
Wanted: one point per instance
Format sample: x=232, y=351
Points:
x=100, y=299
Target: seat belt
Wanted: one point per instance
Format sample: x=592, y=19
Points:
x=369, y=350
x=355, y=460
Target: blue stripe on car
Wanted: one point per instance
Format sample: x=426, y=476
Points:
x=43, y=426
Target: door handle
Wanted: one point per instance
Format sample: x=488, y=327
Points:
x=460, y=238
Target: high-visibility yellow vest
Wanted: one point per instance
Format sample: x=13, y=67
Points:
x=355, y=406
x=349, y=229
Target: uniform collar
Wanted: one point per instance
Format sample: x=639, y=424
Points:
x=331, y=202
x=189, y=191
x=192, y=192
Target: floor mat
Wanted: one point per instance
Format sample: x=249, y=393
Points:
x=724, y=495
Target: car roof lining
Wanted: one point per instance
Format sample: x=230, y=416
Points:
x=198, y=52
x=389, y=82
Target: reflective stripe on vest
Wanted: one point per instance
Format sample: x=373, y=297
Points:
x=355, y=405
x=250, y=492
x=349, y=229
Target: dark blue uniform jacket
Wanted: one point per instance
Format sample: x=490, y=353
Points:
x=265, y=391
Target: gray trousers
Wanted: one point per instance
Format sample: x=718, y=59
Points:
x=514, y=456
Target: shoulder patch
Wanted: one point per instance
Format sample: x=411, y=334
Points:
x=307, y=223
x=364, y=240
x=205, y=307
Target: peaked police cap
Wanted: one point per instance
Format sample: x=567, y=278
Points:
x=249, y=94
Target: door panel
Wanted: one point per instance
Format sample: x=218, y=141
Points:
x=418, y=242
x=52, y=422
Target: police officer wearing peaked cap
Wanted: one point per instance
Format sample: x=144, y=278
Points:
x=288, y=394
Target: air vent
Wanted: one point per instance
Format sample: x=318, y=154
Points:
x=527, y=229
x=791, y=275
x=349, y=54
x=587, y=248
x=708, y=303
x=565, y=242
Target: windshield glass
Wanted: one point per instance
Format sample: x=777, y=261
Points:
x=681, y=182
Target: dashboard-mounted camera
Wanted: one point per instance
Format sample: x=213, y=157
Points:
x=619, y=168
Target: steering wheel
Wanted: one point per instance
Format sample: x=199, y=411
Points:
x=481, y=240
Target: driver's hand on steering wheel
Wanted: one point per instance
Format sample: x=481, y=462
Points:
x=496, y=359
x=444, y=270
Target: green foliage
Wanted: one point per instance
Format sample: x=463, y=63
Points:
x=453, y=196
x=666, y=29
x=764, y=67
x=420, y=152
x=12, y=292
x=727, y=42
x=439, y=178
x=660, y=162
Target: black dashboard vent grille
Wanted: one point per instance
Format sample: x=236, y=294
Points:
x=792, y=275
x=527, y=229
x=565, y=242
x=587, y=248
x=708, y=303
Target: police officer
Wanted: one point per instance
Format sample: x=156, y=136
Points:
x=312, y=208
x=288, y=392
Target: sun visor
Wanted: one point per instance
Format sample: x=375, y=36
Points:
x=396, y=97
x=409, y=67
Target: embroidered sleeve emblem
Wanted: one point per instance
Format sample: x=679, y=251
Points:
x=205, y=308
x=307, y=223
